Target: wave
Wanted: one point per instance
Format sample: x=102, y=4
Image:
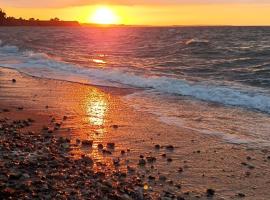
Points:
x=42, y=65
x=196, y=42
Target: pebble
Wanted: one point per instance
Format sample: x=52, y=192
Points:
x=157, y=146
x=111, y=145
x=170, y=147
x=210, y=192
x=14, y=80
x=100, y=146
x=169, y=160
x=115, y=126
x=87, y=142
x=151, y=159
x=241, y=195
x=142, y=162
x=162, y=178
x=123, y=152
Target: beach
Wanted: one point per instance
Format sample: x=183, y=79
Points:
x=65, y=140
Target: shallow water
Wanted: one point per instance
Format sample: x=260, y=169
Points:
x=212, y=79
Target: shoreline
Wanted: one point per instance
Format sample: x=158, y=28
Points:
x=191, y=163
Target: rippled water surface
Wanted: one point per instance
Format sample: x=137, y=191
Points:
x=227, y=66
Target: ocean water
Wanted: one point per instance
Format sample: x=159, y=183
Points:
x=215, y=80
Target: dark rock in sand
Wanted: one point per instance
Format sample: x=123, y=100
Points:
x=241, y=195
x=157, y=146
x=115, y=126
x=142, y=162
x=14, y=80
x=169, y=160
x=110, y=145
x=180, y=198
x=100, y=146
x=170, y=147
x=123, y=152
x=180, y=170
x=162, y=178
x=210, y=192
x=164, y=155
x=151, y=159
x=87, y=142
x=104, y=151
x=151, y=178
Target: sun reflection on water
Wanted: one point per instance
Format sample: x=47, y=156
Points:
x=96, y=108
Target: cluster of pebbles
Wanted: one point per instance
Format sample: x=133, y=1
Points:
x=38, y=165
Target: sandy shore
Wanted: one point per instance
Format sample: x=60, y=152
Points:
x=66, y=140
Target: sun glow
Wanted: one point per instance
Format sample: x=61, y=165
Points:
x=104, y=15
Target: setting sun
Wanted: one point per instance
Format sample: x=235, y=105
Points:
x=104, y=15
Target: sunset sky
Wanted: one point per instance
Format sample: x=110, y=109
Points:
x=147, y=12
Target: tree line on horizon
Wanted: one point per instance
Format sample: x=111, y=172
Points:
x=12, y=21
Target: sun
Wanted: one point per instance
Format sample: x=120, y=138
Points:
x=104, y=15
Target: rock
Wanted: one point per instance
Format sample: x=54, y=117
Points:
x=180, y=169
x=123, y=152
x=87, y=160
x=110, y=145
x=241, y=195
x=180, y=198
x=87, y=142
x=130, y=169
x=116, y=162
x=142, y=162
x=251, y=167
x=65, y=118
x=100, y=146
x=14, y=80
x=151, y=178
x=157, y=146
x=210, y=192
x=104, y=151
x=115, y=126
x=170, y=147
x=164, y=155
x=248, y=158
x=169, y=160
x=162, y=178
x=151, y=159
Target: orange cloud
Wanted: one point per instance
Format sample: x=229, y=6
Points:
x=68, y=3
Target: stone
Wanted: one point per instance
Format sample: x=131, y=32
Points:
x=87, y=142
x=170, y=147
x=241, y=195
x=110, y=145
x=142, y=162
x=210, y=192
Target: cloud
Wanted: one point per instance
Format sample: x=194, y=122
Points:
x=67, y=3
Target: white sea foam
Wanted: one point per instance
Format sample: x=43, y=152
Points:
x=39, y=64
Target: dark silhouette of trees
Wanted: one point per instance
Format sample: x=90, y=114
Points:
x=55, y=19
x=3, y=16
x=12, y=21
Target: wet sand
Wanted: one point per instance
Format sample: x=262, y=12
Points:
x=157, y=160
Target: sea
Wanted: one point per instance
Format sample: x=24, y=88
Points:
x=214, y=80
